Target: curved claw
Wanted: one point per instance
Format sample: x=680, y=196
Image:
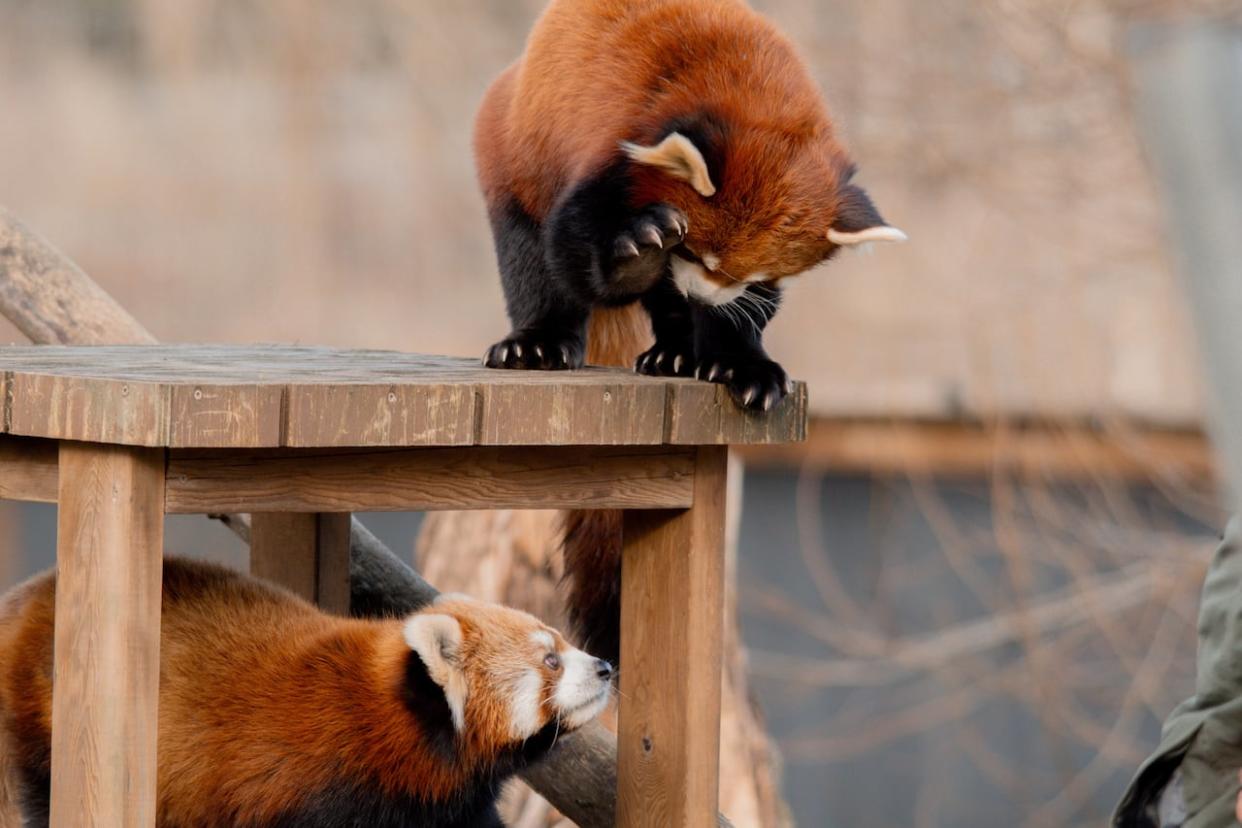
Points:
x=626, y=248
x=652, y=236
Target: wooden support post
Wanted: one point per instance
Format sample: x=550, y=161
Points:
x=672, y=586
x=307, y=553
x=105, y=702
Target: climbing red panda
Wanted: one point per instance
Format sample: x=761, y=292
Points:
x=671, y=153
x=272, y=713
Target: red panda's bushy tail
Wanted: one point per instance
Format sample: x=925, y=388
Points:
x=591, y=540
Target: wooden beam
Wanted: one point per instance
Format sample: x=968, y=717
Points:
x=1050, y=452
x=28, y=469
x=306, y=553
x=672, y=607
x=105, y=702
x=332, y=561
x=575, y=477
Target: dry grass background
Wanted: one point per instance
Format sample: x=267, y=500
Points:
x=237, y=170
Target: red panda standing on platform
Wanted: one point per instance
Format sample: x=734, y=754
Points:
x=675, y=154
x=275, y=715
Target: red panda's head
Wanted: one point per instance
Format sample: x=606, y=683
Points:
x=506, y=676
x=763, y=203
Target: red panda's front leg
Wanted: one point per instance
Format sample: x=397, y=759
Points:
x=607, y=251
x=729, y=347
x=672, y=323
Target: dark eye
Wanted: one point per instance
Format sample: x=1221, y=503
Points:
x=552, y=661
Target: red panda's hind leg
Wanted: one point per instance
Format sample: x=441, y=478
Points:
x=549, y=319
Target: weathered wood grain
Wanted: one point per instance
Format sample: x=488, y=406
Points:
x=283, y=550
x=324, y=416
x=28, y=469
x=272, y=396
x=701, y=414
x=430, y=479
x=306, y=553
x=618, y=413
x=105, y=699
x=242, y=416
x=672, y=597
x=332, y=562
x=88, y=410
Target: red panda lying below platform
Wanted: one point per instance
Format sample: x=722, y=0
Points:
x=273, y=714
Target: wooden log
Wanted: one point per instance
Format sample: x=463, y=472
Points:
x=110, y=546
x=672, y=587
x=53, y=302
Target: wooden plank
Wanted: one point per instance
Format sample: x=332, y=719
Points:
x=28, y=469
x=105, y=701
x=672, y=585
x=605, y=414
x=701, y=414
x=306, y=553
x=222, y=396
x=211, y=416
x=328, y=416
x=1050, y=451
x=89, y=410
x=205, y=482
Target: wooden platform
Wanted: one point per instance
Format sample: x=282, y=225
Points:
x=273, y=396
x=300, y=438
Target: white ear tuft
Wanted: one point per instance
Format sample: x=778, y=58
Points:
x=437, y=640
x=679, y=157
x=882, y=233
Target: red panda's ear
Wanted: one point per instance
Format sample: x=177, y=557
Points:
x=436, y=639
x=858, y=222
x=679, y=157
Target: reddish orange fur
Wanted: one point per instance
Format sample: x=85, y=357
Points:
x=592, y=78
x=595, y=74
x=264, y=699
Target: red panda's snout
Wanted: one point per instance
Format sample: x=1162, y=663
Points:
x=583, y=687
x=505, y=675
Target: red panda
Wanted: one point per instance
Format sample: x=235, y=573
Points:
x=671, y=153
x=272, y=713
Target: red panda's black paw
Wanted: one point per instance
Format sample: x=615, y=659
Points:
x=640, y=251
x=655, y=228
x=536, y=351
x=755, y=383
x=667, y=360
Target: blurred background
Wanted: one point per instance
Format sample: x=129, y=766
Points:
x=969, y=598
